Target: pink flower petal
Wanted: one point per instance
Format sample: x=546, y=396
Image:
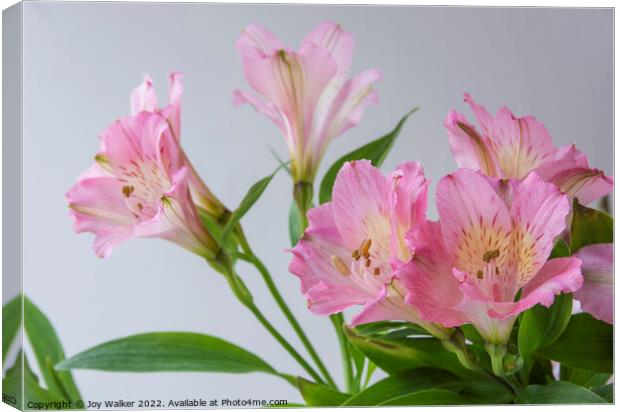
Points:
x=521, y=144
x=388, y=305
x=338, y=42
x=361, y=207
x=408, y=203
x=143, y=97
x=471, y=149
x=561, y=275
x=483, y=117
x=539, y=213
x=257, y=41
x=312, y=256
x=597, y=294
x=430, y=286
x=474, y=219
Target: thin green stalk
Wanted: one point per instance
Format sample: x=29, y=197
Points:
x=244, y=296
x=268, y=279
x=337, y=321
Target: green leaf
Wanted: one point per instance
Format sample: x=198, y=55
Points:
x=48, y=351
x=11, y=319
x=428, y=397
x=590, y=226
x=557, y=392
x=605, y=391
x=586, y=343
x=168, y=351
x=401, y=354
x=12, y=385
x=320, y=395
x=581, y=377
x=248, y=201
x=560, y=249
x=375, y=151
x=215, y=228
x=541, y=326
x=294, y=224
x=400, y=384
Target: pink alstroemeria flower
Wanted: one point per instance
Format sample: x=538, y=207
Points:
x=353, y=244
x=511, y=147
x=305, y=93
x=139, y=186
x=597, y=294
x=144, y=98
x=493, y=240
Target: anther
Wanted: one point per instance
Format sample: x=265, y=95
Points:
x=356, y=254
x=127, y=190
x=490, y=255
x=368, y=263
x=365, y=247
x=479, y=274
x=340, y=265
x=377, y=272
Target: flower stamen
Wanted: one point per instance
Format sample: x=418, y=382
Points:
x=340, y=265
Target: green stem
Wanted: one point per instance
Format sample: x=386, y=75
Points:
x=243, y=295
x=268, y=279
x=338, y=321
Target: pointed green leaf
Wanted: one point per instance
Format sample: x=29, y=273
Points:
x=375, y=151
x=48, y=351
x=12, y=386
x=428, y=397
x=605, y=391
x=11, y=319
x=247, y=202
x=557, y=392
x=398, y=385
x=581, y=377
x=320, y=395
x=541, y=326
x=401, y=354
x=586, y=343
x=590, y=226
x=168, y=351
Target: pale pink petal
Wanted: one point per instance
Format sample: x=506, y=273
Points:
x=293, y=82
x=388, y=305
x=475, y=220
x=471, y=150
x=338, y=42
x=539, y=213
x=257, y=41
x=408, y=203
x=583, y=183
x=483, y=117
x=312, y=256
x=326, y=299
x=263, y=107
x=348, y=107
x=173, y=111
x=176, y=219
x=361, y=207
x=597, y=293
x=561, y=275
x=97, y=206
x=521, y=144
x=143, y=97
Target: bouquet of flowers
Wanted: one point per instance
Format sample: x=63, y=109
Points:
x=476, y=307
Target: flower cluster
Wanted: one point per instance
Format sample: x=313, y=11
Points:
x=487, y=258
